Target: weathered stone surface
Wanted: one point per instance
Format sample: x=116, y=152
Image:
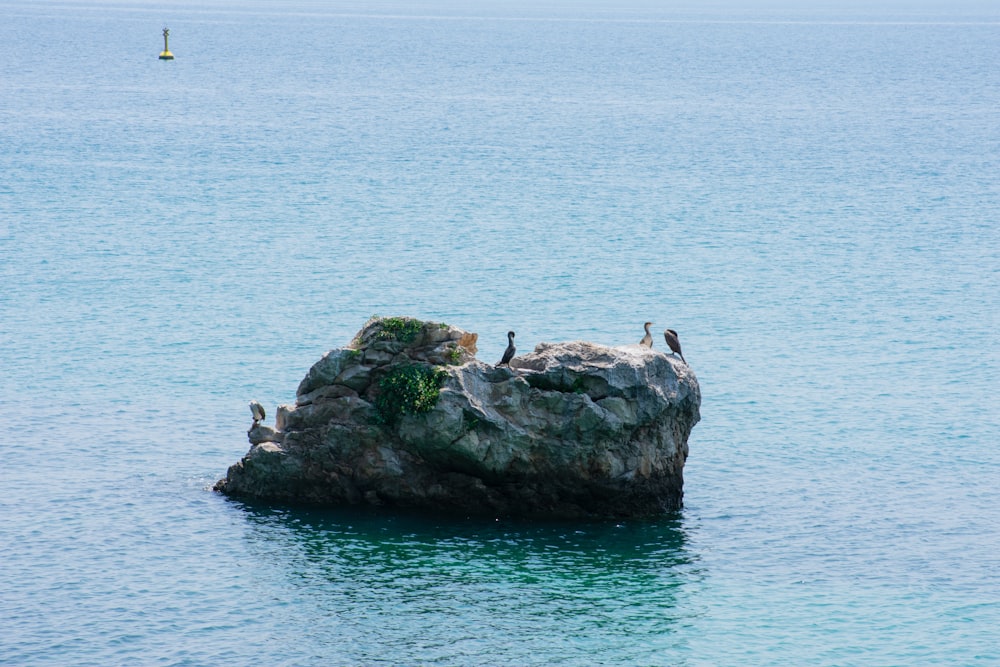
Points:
x=260, y=434
x=571, y=429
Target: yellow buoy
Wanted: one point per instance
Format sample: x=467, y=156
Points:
x=166, y=55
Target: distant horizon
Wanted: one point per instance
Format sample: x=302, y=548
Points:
x=461, y=8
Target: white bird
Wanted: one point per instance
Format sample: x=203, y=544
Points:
x=257, y=410
x=647, y=340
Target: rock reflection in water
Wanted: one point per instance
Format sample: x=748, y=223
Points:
x=378, y=586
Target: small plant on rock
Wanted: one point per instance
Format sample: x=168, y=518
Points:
x=402, y=329
x=408, y=390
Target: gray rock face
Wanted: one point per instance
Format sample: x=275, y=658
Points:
x=407, y=416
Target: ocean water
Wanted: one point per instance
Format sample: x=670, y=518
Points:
x=808, y=194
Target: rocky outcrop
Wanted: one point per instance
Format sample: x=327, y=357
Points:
x=407, y=416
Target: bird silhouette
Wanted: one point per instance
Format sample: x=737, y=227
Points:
x=257, y=410
x=508, y=354
x=673, y=342
x=647, y=340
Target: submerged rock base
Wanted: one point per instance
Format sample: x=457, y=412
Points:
x=407, y=416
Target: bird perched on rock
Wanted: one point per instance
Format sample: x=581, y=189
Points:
x=508, y=354
x=673, y=342
x=647, y=340
x=257, y=410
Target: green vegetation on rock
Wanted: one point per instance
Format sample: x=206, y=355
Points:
x=408, y=390
x=402, y=329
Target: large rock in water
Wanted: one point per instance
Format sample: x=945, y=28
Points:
x=407, y=416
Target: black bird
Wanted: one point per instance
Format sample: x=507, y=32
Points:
x=673, y=342
x=647, y=340
x=257, y=410
x=508, y=354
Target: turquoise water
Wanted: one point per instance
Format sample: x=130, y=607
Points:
x=810, y=196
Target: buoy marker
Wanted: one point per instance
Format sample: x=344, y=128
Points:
x=166, y=55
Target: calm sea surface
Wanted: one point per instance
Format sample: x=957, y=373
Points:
x=810, y=196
